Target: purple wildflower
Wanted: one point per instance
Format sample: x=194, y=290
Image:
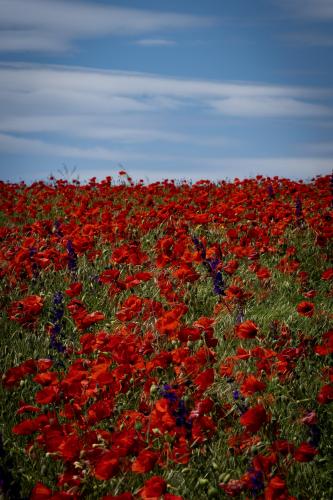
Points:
x=235, y=395
x=200, y=247
x=213, y=263
x=240, y=315
x=298, y=209
x=219, y=284
x=315, y=434
x=56, y=320
x=212, y=267
x=271, y=191
x=72, y=257
x=57, y=226
x=181, y=415
x=168, y=393
x=256, y=480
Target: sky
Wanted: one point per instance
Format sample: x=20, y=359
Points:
x=177, y=89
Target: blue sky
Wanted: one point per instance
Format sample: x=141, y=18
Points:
x=179, y=89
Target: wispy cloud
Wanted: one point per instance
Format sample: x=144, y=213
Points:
x=20, y=145
x=320, y=10
x=33, y=86
x=267, y=106
x=129, y=107
x=155, y=42
x=309, y=39
x=88, y=127
x=178, y=166
x=31, y=41
x=49, y=25
x=318, y=148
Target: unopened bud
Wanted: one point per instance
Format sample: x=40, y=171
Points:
x=203, y=481
x=153, y=389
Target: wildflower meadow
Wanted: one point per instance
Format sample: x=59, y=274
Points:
x=167, y=341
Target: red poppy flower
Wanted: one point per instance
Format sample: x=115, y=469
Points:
x=325, y=394
x=27, y=408
x=47, y=395
x=153, y=488
x=27, y=310
x=137, y=279
x=234, y=487
x=231, y=266
x=263, y=273
x=41, y=492
x=14, y=375
x=109, y=276
x=204, y=379
x=203, y=428
x=186, y=273
x=283, y=446
x=251, y=385
x=254, y=418
x=74, y=289
x=107, y=466
x=276, y=489
x=30, y=425
x=70, y=448
x=129, y=254
x=46, y=378
x=145, y=461
x=44, y=364
x=227, y=369
x=131, y=307
x=246, y=330
x=169, y=322
x=305, y=309
x=305, y=453
x=234, y=292
x=100, y=409
x=328, y=274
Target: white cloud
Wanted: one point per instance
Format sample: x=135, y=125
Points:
x=79, y=86
x=19, y=145
x=23, y=145
x=31, y=41
x=137, y=107
x=155, y=42
x=42, y=25
x=88, y=127
x=269, y=107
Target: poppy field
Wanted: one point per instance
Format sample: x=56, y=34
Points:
x=166, y=341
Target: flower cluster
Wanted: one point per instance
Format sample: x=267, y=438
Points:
x=167, y=366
